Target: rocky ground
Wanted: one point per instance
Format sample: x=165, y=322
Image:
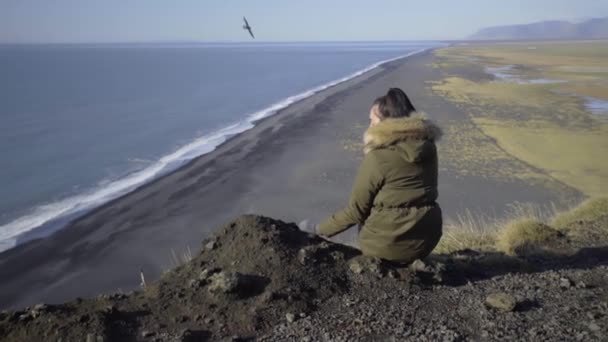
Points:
x=262, y=279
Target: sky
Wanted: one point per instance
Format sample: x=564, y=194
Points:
x=80, y=21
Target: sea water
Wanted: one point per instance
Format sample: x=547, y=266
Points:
x=83, y=124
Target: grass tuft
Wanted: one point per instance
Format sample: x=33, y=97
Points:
x=523, y=236
x=589, y=210
x=468, y=231
x=459, y=240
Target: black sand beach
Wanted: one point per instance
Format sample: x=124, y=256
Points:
x=296, y=165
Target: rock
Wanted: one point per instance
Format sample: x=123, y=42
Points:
x=211, y=245
x=306, y=255
x=374, y=268
x=38, y=310
x=204, y=275
x=290, y=317
x=501, y=301
x=369, y=265
x=147, y=333
x=91, y=338
x=355, y=267
x=225, y=282
x=318, y=253
x=181, y=319
x=25, y=317
x=118, y=296
x=337, y=255
x=110, y=310
x=185, y=335
x=419, y=266
x=194, y=283
x=565, y=283
x=41, y=307
x=594, y=327
x=437, y=269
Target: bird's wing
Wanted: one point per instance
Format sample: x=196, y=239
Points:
x=245, y=20
x=251, y=33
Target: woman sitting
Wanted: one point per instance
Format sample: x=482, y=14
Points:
x=393, y=197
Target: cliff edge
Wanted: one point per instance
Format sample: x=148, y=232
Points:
x=263, y=279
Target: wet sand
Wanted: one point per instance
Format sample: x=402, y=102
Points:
x=296, y=165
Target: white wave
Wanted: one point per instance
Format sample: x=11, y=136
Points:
x=113, y=189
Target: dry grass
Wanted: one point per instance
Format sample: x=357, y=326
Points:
x=589, y=210
x=545, y=55
x=465, y=151
x=539, y=124
x=569, y=155
x=526, y=229
x=185, y=257
x=482, y=233
x=523, y=235
x=468, y=231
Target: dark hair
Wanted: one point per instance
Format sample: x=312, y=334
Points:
x=395, y=104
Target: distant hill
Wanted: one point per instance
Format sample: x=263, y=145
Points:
x=589, y=29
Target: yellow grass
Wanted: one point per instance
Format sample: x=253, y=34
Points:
x=581, y=54
x=468, y=232
x=543, y=125
x=522, y=236
x=592, y=89
x=526, y=229
x=465, y=151
x=590, y=210
x=529, y=104
x=572, y=156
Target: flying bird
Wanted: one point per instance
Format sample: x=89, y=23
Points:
x=248, y=28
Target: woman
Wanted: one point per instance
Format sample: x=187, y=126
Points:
x=394, y=193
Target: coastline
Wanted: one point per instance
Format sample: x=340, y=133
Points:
x=70, y=229
x=43, y=221
x=294, y=165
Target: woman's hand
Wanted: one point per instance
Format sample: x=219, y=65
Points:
x=308, y=227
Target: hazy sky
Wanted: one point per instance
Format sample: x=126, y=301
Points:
x=272, y=20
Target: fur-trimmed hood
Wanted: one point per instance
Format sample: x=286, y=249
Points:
x=393, y=130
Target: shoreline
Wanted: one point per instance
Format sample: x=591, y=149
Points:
x=226, y=133
x=73, y=231
x=297, y=164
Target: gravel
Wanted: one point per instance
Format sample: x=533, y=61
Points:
x=265, y=280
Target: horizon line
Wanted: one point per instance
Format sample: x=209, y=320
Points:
x=223, y=41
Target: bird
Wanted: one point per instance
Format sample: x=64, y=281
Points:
x=248, y=28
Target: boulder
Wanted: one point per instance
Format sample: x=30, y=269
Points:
x=225, y=282
x=501, y=301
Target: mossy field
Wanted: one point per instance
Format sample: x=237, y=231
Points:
x=532, y=100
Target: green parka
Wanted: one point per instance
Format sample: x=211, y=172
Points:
x=394, y=193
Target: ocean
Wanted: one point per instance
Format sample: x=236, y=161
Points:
x=84, y=124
